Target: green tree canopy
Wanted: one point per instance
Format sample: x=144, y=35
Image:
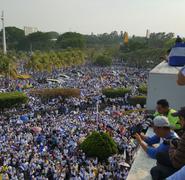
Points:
x=13, y=37
x=52, y=35
x=8, y=64
x=143, y=89
x=37, y=41
x=46, y=61
x=99, y=145
x=70, y=40
x=103, y=60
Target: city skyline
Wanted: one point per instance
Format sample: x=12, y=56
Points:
x=97, y=16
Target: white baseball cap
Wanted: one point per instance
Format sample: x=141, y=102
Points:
x=161, y=121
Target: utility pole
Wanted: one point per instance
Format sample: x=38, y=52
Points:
x=4, y=34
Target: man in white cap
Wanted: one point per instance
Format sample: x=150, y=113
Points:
x=162, y=129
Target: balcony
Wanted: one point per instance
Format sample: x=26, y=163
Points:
x=140, y=169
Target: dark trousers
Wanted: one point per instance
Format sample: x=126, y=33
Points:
x=164, y=167
x=160, y=172
x=164, y=159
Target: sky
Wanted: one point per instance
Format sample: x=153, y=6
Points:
x=97, y=16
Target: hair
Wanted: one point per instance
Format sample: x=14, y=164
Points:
x=163, y=102
x=166, y=128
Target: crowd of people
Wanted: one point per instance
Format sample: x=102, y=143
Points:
x=40, y=140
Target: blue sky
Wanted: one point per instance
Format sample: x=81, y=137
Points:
x=98, y=16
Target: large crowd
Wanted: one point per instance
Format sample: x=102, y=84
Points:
x=40, y=140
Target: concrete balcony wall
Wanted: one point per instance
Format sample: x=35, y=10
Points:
x=140, y=169
x=162, y=85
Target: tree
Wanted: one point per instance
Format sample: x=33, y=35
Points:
x=103, y=60
x=157, y=40
x=70, y=40
x=48, y=61
x=99, y=145
x=52, y=35
x=37, y=41
x=143, y=89
x=34, y=63
x=13, y=37
x=8, y=64
x=144, y=57
x=4, y=64
x=103, y=40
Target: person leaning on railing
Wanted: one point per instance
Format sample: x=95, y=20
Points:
x=168, y=163
x=162, y=130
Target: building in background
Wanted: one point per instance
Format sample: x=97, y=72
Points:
x=147, y=33
x=29, y=30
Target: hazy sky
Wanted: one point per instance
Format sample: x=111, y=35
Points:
x=86, y=16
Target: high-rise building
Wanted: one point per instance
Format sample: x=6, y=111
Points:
x=147, y=33
x=29, y=30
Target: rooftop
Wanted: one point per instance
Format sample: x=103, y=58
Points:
x=164, y=68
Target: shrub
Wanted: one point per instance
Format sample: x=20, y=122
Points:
x=114, y=93
x=134, y=100
x=103, y=60
x=52, y=93
x=27, y=86
x=143, y=89
x=12, y=99
x=133, y=110
x=23, y=76
x=99, y=145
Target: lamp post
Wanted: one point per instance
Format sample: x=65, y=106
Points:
x=4, y=34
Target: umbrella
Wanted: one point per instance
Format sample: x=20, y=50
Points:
x=24, y=118
x=124, y=164
x=36, y=129
x=116, y=113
